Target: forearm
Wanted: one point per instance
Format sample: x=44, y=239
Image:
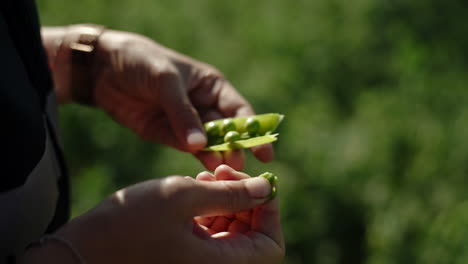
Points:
x=51, y=252
x=52, y=38
x=85, y=239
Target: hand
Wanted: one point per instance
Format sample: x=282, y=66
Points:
x=164, y=96
x=153, y=222
x=240, y=222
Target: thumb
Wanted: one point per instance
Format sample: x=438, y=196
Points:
x=183, y=117
x=209, y=198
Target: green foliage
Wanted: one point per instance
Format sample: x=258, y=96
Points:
x=373, y=156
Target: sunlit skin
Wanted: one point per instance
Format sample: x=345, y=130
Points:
x=162, y=95
x=217, y=218
x=246, y=222
x=239, y=222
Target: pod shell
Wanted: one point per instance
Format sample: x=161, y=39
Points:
x=268, y=122
x=243, y=143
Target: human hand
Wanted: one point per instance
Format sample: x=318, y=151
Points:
x=240, y=222
x=153, y=222
x=164, y=96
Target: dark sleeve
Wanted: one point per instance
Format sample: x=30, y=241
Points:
x=22, y=130
x=33, y=181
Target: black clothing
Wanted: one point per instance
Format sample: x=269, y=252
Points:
x=26, y=92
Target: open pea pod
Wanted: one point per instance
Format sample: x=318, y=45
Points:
x=243, y=143
x=268, y=122
x=241, y=132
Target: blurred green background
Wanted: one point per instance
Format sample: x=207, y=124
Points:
x=372, y=156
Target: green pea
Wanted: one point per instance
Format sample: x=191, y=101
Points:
x=215, y=140
x=252, y=125
x=231, y=136
x=254, y=130
x=228, y=125
x=245, y=135
x=212, y=129
x=273, y=180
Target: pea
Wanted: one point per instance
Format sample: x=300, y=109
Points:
x=212, y=141
x=252, y=125
x=273, y=180
x=254, y=130
x=228, y=125
x=212, y=129
x=245, y=135
x=231, y=136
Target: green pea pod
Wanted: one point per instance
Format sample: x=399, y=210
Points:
x=267, y=124
x=243, y=143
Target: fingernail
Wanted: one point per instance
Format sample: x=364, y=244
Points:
x=258, y=187
x=195, y=137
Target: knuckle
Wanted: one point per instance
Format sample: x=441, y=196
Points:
x=185, y=111
x=176, y=187
x=165, y=70
x=215, y=73
x=211, y=72
x=233, y=196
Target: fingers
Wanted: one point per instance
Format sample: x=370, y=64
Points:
x=239, y=222
x=222, y=173
x=226, y=173
x=183, y=117
x=234, y=158
x=230, y=102
x=211, y=115
x=205, y=221
x=216, y=98
x=209, y=198
x=220, y=224
x=210, y=159
x=266, y=220
x=254, y=233
x=205, y=93
x=200, y=230
x=264, y=153
x=233, y=104
x=205, y=176
x=244, y=216
x=261, y=243
x=238, y=227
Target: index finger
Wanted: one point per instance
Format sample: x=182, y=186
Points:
x=232, y=104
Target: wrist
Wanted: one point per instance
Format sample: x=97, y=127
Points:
x=53, y=249
x=72, y=65
x=87, y=235
x=97, y=235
